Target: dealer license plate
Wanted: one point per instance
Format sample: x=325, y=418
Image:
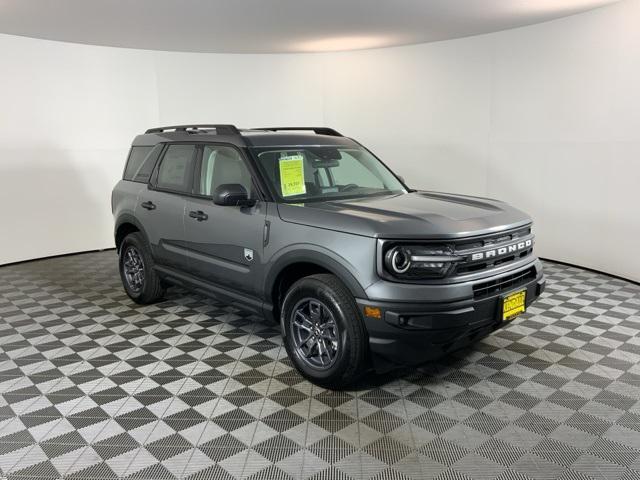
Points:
x=513, y=305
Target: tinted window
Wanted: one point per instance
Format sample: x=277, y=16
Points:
x=144, y=172
x=220, y=165
x=176, y=169
x=135, y=162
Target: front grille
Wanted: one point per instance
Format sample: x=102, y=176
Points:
x=467, y=248
x=502, y=284
x=477, y=255
x=492, y=239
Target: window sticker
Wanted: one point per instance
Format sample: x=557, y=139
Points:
x=292, y=175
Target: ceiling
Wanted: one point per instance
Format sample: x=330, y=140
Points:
x=272, y=26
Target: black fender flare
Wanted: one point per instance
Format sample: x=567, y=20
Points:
x=322, y=257
x=128, y=218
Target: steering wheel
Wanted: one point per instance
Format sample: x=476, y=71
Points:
x=349, y=186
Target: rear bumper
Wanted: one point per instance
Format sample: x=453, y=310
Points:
x=411, y=333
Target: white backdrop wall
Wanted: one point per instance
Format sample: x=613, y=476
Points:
x=546, y=117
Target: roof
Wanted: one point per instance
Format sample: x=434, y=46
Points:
x=261, y=137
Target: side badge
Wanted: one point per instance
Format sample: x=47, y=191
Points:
x=248, y=254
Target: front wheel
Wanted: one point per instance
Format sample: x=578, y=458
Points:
x=323, y=332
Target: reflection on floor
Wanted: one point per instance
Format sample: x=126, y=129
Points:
x=94, y=386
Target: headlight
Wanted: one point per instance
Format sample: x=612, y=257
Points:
x=415, y=262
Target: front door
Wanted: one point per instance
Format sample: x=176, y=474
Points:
x=225, y=243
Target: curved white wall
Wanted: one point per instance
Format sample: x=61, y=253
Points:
x=546, y=117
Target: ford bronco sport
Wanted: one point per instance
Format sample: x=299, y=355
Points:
x=309, y=228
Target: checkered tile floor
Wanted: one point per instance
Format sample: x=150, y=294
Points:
x=93, y=386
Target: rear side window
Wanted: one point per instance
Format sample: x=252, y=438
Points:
x=141, y=162
x=176, y=168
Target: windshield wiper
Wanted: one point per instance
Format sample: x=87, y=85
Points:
x=381, y=193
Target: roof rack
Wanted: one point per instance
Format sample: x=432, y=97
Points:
x=316, y=130
x=220, y=129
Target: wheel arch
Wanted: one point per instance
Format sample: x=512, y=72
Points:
x=125, y=225
x=292, y=266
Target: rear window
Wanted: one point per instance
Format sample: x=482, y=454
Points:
x=140, y=163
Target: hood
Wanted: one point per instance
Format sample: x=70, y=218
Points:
x=410, y=215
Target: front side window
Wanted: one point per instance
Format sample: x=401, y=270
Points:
x=221, y=165
x=176, y=168
x=309, y=173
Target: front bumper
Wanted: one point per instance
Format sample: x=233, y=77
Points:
x=411, y=333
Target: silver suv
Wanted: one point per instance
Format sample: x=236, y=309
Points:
x=309, y=228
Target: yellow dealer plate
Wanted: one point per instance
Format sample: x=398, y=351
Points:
x=513, y=305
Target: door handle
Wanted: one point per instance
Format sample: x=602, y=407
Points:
x=148, y=205
x=199, y=215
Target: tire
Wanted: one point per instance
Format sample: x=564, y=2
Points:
x=145, y=289
x=326, y=294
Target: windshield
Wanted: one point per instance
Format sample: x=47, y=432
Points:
x=309, y=173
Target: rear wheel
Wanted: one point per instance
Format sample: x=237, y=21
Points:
x=323, y=332
x=140, y=281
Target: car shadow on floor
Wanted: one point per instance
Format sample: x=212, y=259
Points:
x=425, y=374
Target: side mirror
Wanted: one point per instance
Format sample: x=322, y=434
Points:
x=232, y=195
x=401, y=178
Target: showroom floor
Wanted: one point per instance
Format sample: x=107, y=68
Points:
x=94, y=386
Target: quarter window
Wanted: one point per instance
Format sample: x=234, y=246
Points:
x=176, y=169
x=141, y=162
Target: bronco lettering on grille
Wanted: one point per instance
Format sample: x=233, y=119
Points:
x=498, y=252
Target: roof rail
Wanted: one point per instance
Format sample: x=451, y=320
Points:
x=220, y=129
x=316, y=130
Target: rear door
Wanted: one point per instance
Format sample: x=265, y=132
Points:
x=162, y=206
x=225, y=243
